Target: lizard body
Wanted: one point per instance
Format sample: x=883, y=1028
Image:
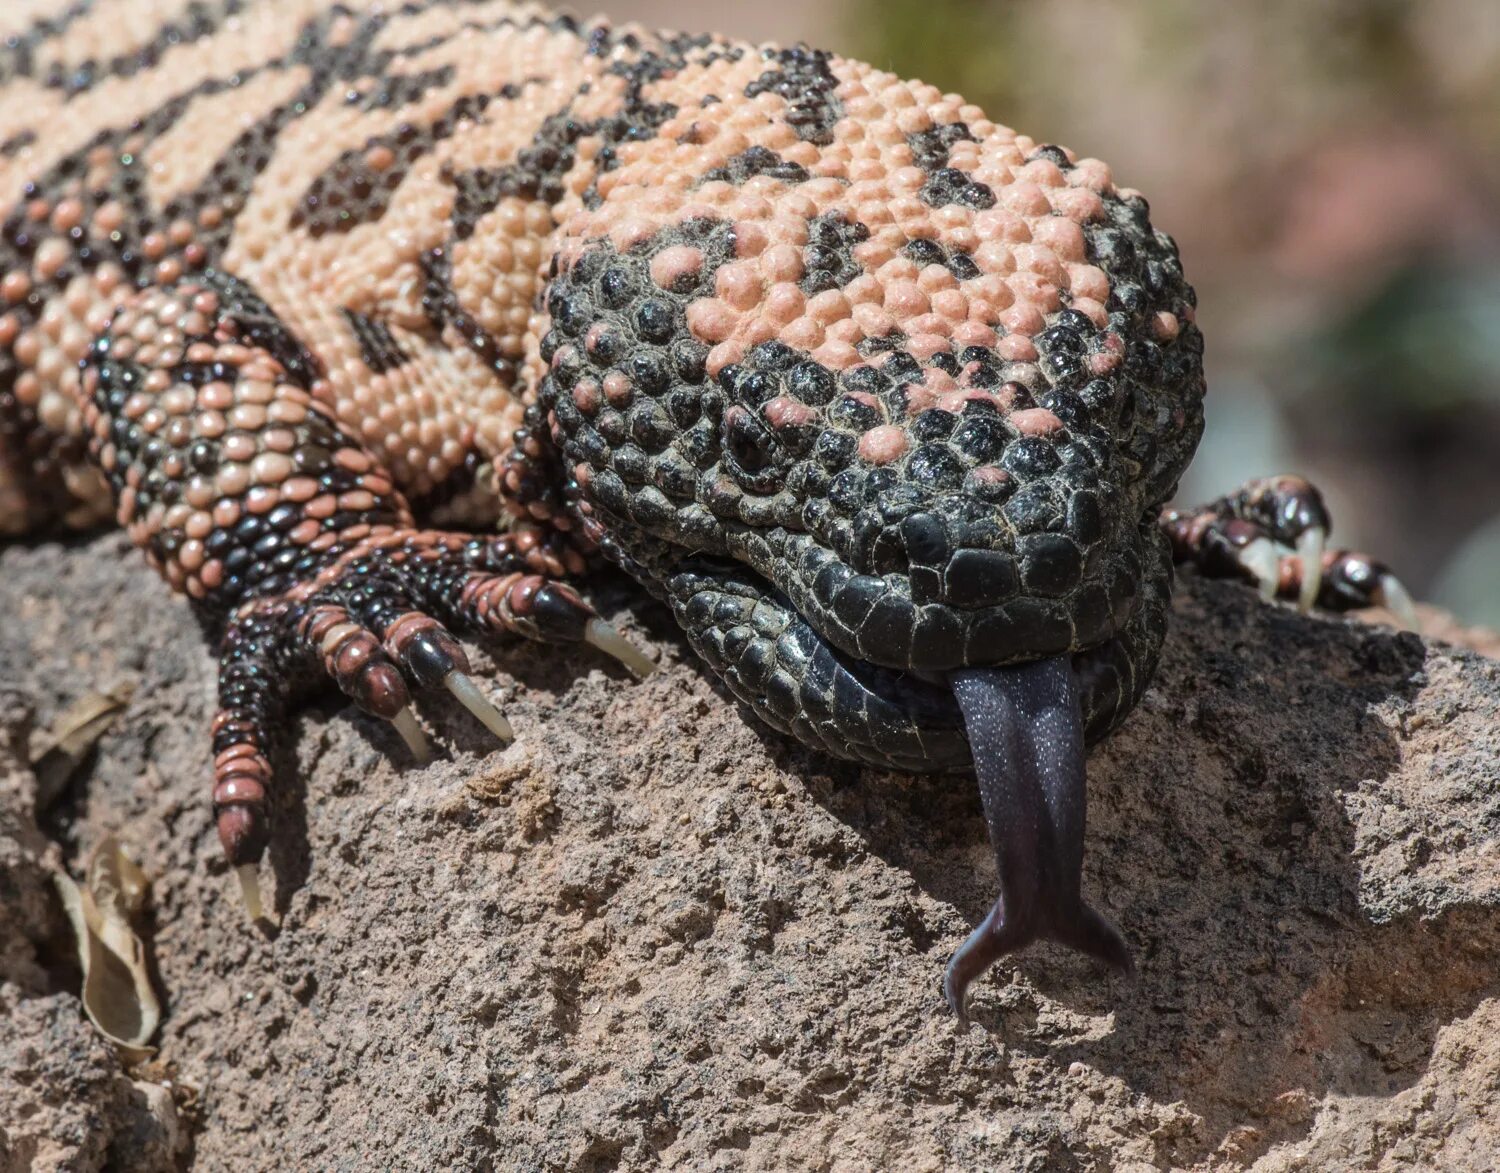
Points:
x=371, y=322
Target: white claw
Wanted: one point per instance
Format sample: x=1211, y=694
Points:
x=1395, y=598
x=248, y=874
x=1262, y=560
x=411, y=733
x=1310, y=555
x=481, y=706
x=612, y=643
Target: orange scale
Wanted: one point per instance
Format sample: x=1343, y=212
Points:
x=846, y=331
x=1093, y=174
x=261, y=499
x=1036, y=289
x=750, y=239
x=1016, y=348
x=239, y=447
x=199, y=492
x=883, y=444
x=1025, y=199
x=905, y=299
x=190, y=555
x=836, y=356
x=1035, y=421
x=906, y=209
x=299, y=489
x=803, y=334
x=973, y=333
x=1042, y=172
x=1087, y=281
x=711, y=320
x=923, y=346
x=951, y=305
x=935, y=278
x=1103, y=364
x=1077, y=203
x=788, y=230
x=874, y=321
x=249, y=416
x=1038, y=259
x=755, y=331
x=1022, y=318
x=784, y=304
x=321, y=507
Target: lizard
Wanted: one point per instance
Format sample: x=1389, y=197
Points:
x=377, y=325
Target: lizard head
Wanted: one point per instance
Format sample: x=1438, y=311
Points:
x=859, y=444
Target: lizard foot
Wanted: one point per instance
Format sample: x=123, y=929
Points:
x=207, y=415
x=379, y=623
x=1273, y=532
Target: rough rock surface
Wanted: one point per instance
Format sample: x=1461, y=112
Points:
x=646, y=934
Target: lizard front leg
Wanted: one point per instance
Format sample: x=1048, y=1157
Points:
x=1273, y=532
x=247, y=494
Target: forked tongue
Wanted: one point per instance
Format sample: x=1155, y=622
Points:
x=1025, y=729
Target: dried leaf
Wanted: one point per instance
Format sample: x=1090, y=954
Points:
x=117, y=991
x=64, y=746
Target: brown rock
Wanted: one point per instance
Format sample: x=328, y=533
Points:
x=648, y=934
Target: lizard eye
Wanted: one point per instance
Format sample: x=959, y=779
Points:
x=750, y=450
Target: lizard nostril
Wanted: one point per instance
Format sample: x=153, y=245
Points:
x=926, y=542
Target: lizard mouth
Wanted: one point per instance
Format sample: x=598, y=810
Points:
x=798, y=673
x=934, y=612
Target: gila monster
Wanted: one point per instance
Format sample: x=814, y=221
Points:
x=373, y=323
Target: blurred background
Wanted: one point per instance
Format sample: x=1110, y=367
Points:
x=1331, y=173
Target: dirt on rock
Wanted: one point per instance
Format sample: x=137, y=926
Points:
x=649, y=935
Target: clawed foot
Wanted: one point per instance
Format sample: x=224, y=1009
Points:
x=370, y=623
x=1273, y=533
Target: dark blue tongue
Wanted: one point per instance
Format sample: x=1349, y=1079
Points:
x=1025, y=729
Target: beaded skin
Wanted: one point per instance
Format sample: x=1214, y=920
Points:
x=371, y=324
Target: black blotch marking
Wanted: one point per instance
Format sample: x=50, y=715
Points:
x=539, y=170
x=756, y=161
x=197, y=21
x=828, y=257
x=1053, y=154
x=18, y=51
x=443, y=310
x=400, y=89
x=930, y=148
x=931, y=252
x=351, y=192
x=947, y=185
x=17, y=143
x=802, y=76
x=377, y=345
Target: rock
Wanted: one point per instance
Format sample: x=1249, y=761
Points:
x=647, y=933
x=65, y=1103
